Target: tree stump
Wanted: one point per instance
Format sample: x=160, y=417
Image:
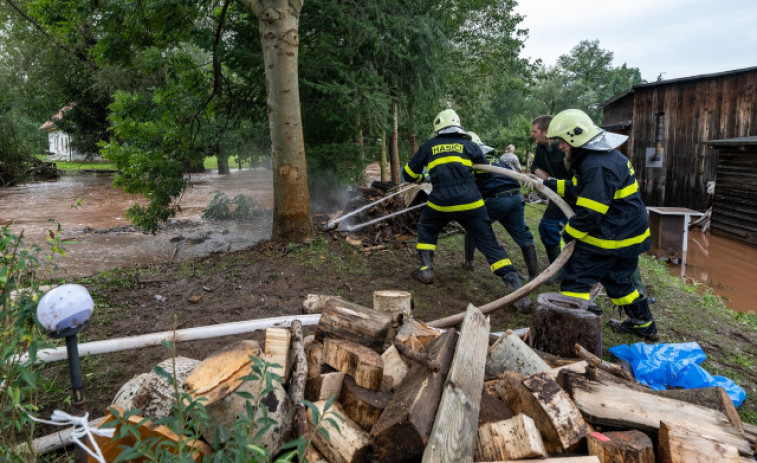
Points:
x=559, y=322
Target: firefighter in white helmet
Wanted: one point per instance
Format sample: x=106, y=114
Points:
x=610, y=226
x=448, y=157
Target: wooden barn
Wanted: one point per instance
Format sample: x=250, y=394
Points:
x=668, y=124
x=734, y=205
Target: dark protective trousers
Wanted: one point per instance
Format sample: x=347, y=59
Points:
x=586, y=268
x=476, y=224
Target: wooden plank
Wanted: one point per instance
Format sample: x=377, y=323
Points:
x=363, y=364
x=614, y=405
x=276, y=348
x=451, y=439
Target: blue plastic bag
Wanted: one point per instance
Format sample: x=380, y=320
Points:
x=660, y=366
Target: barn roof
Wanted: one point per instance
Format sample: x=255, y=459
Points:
x=630, y=91
x=50, y=125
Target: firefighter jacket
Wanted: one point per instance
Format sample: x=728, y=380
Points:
x=490, y=184
x=610, y=216
x=448, y=159
x=550, y=160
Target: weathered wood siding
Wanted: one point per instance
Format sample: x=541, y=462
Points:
x=734, y=205
x=695, y=110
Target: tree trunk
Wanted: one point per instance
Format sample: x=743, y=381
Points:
x=383, y=162
x=279, y=23
x=394, y=148
x=412, y=137
x=223, y=161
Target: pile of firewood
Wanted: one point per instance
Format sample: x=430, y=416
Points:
x=407, y=392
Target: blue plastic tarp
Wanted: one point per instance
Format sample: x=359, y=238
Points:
x=661, y=366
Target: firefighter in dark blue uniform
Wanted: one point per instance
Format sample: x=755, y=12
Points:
x=455, y=196
x=610, y=225
x=504, y=204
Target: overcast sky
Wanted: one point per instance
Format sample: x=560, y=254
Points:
x=675, y=38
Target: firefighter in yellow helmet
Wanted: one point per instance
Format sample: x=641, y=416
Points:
x=448, y=157
x=610, y=226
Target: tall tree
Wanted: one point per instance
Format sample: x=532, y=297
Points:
x=278, y=21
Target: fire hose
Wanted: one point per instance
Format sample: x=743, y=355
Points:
x=545, y=275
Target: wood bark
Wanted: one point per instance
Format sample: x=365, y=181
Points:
x=278, y=21
x=619, y=406
x=360, y=362
x=684, y=444
x=510, y=353
x=710, y=397
x=363, y=406
x=451, y=439
x=559, y=322
x=348, y=444
x=513, y=439
x=621, y=447
x=394, y=148
x=353, y=322
x=299, y=380
x=402, y=430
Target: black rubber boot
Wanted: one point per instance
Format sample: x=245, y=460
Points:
x=529, y=255
x=425, y=274
x=523, y=305
x=552, y=253
x=639, y=322
x=470, y=252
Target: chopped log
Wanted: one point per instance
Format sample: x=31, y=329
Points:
x=618, y=406
x=314, y=303
x=415, y=335
x=312, y=455
x=585, y=459
x=395, y=369
x=324, y=385
x=353, y=322
x=363, y=406
x=277, y=341
x=513, y=439
x=710, y=397
x=402, y=431
x=597, y=362
x=112, y=448
x=510, y=353
x=299, y=380
x=541, y=398
x=492, y=409
x=451, y=439
x=222, y=372
x=559, y=322
x=151, y=393
x=575, y=367
x=348, y=444
x=314, y=355
x=621, y=447
x=398, y=304
x=681, y=444
x=360, y=362
x=277, y=404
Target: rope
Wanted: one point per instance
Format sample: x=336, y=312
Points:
x=79, y=430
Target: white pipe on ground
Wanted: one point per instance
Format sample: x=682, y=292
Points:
x=187, y=334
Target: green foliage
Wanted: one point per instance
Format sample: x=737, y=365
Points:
x=20, y=270
x=242, y=207
x=240, y=444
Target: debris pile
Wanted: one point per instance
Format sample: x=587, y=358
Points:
x=399, y=390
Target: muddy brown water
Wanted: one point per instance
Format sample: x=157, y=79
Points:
x=101, y=236
x=727, y=266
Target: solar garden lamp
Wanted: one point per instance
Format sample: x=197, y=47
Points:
x=63, y=312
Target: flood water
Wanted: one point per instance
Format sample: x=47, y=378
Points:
x=102, y=237
x=727, y=266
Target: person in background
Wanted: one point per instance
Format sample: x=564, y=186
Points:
x=448, y=157
x=610, y=226
x=549, y=163
x=510, y=159
x=504, y=204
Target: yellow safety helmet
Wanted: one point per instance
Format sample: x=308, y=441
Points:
x=577, y=129
x=445, y=119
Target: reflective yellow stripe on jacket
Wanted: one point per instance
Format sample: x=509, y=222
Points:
x=605, y=244
x=456, y=207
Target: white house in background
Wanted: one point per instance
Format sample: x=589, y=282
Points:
x=59, y=142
